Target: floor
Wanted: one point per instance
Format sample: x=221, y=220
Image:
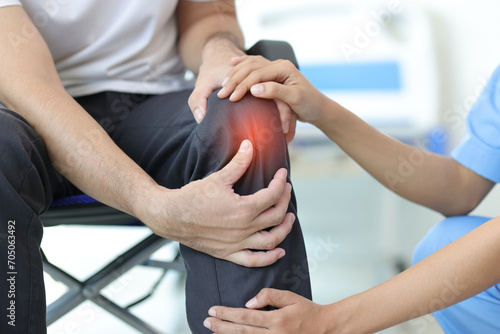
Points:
x=357, y=235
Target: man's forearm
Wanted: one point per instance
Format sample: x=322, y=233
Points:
x=81, y=150
x=206, y=30
x=78, y=147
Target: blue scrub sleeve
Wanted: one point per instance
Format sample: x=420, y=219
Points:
x=479, y=149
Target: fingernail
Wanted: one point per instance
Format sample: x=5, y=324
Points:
x=286, y=127
x=207, y=324
x=198, y=115
x=245, y=145
x=221, y=92
x=251, y=303
x=224, y=82
x=257, y=89
x=212, y=312
x=282, y=253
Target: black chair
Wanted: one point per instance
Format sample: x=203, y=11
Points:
x=83, y=210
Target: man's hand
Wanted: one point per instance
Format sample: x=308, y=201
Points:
x=209, y=36
x=295, y=315
x=207, y=215
x=214, y=68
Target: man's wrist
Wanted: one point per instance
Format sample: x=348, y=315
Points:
x=223, y=44
x=152, y=207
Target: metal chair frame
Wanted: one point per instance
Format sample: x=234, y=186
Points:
x=90, y=289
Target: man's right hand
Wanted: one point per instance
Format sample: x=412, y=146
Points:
x=207, y=215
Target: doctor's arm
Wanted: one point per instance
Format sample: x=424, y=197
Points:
x=435, y=181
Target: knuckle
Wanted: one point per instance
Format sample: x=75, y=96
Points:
x=294, y=99
x=264, y=294
x=274, y=88
x=277, y=196
x=259, y=58
x=240, y=330
x=252, y=78
x=281, y=62
x=279, y=321
x=214, y=326
x=248, y=213
x=244, y=317
x=288, y=64
x=219, y=251
x=271, y=242
x=275, y=219
x=249, y=263
x=258, y=318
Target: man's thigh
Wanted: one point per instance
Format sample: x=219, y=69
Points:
x=157, y=134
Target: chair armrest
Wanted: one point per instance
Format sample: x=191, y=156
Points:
x=273, y=50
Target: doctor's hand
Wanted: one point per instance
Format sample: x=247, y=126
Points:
x=295, y=315
x=207, y=215
x=279, y=80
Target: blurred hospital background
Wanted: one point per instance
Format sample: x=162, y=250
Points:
x=410, y=68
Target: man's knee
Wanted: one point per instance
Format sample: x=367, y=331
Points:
x=15, y=131
x=227, y=124
x=24, y=162
x=445, y=232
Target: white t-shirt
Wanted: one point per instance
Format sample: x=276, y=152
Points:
x=117, y=45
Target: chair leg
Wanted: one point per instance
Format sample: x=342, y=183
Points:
x=124, y=315
x=90, y=289
x=70, y=300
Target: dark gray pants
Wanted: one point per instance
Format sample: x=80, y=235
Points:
x=160, y=134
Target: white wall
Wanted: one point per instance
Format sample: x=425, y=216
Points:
x=466, y=35
x=468, y=51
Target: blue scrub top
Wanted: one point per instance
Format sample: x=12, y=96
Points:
x=479, y=149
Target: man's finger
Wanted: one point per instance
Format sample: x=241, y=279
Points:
x=285, y=115
x=291, y=131
x=267, y=197
x=266, y=240
x=275, y=214
x=238, y=165
x=253, y=259
x=198, y=103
